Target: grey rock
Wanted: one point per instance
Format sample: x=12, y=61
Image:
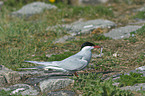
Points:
x=22, y=89
x=8, y=76
x=122, y=32
x=64, y=39
x=3, y=80
x=81, y=27
x=34, y=79
x=136, y=87
x=61, y=93
x=33, y=8
x=26, y=74
x=54, y=84
x=138, y=71
x=142, y=68
x=1, y=4
x=141, y=9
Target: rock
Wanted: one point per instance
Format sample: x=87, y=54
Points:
x=141, y=9
x=62, y=93
x=3, y=80
x=139, y=70
x=8, y=76
x=80, y=27
x=64, y=39
x=122, y=32
x=54, y=84
x=33, y=8
x=1, y=4
x=136, y=87
x=88, y=2
x=22, y=89
x=25, y=74
x=142, y=68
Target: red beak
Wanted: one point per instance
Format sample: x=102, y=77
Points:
x=97, y=46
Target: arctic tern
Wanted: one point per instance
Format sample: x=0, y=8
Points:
x=71, y=64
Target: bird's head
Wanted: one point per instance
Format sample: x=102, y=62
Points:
x=89, y=46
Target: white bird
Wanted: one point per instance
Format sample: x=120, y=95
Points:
x=73, y=63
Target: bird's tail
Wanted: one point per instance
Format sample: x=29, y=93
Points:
x=34, y=68
x=45, y=65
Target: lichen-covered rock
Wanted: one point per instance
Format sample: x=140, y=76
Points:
x=54, y=84
x=122, y=32
x=33, y=8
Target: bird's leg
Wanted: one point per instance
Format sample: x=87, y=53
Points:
x=76, y=74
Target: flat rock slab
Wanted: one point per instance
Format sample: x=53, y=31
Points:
x=122, y=32
x=81, y=27
x=54, y=84
x=62, y=93
x=136, y=87
x=33, y=8
x=22, y=89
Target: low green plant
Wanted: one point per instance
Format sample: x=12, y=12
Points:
x=129, y=80
x=100, y=37
x=7, y=93
x=141, y=31
x=92, y=85
x=140, y=15
x=56, y=57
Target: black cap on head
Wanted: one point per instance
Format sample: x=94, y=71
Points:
x=87, y=44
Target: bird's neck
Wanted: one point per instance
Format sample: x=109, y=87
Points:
x=87, y=54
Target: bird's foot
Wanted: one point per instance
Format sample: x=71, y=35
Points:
x=76, y=74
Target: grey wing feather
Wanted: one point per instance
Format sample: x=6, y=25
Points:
x=73, y=64
x=54, y=63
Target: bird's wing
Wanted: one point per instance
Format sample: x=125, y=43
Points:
x=53, y=63
x=73, y=64
x=46, y=65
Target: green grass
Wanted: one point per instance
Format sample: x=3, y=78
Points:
x=92, y=85
x=21, y=38
x=140, y=15
x=129, y=80
x=27, y=39
x=7, y=93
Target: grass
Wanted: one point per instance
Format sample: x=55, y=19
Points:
x=140, y=15
x=92, y=85
x=130, y=80
x=7, y=93
x=27, y=39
